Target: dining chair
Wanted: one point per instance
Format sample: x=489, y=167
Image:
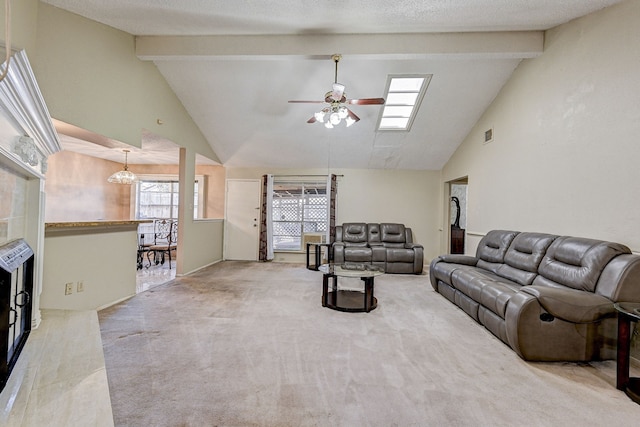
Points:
x=166, y=240
x=145, y=241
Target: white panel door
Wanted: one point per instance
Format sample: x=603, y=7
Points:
x=242, y=224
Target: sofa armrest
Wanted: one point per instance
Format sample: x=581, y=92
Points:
x=337, y=248
x=539, y=333
x=458, y=259
x=413, y=246
x=572, y=305
x=418, y=260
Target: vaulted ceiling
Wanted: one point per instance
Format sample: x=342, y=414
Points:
x=236, y=64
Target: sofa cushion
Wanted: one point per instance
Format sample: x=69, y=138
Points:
x=392, y=235
x=357, y=254
x=443, y=271
x=378, y=253
x=496, y=295
x=471, y=280
x=523, y=257
x=470, y=284
x=577, y=262
x=400, y=255
x=354, y=233
x=493, y=247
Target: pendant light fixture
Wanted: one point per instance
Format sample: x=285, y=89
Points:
x=124, y=176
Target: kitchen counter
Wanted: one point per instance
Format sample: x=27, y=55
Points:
x=98, y=226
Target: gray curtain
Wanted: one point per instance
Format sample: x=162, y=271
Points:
x=332, y=208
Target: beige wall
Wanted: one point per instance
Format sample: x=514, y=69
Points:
x=206, y=247
x=77, y=189
x=90, y=77
x=566, y=125
x=379, y=195
x=103, y=259
x=24, y=15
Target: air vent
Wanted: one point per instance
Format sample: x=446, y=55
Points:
x=488, y=135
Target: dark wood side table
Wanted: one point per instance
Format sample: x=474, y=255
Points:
x=627, y=312
x=318, y=254
x=348, y=300
x=457, y=240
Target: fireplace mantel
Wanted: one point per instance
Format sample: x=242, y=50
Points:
x=23, y=105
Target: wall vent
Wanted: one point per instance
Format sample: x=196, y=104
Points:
x=488, y=135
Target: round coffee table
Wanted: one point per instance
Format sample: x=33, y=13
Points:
x=349, y=300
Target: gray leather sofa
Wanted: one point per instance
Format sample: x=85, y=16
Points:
x=550, y=298
x=387, y=245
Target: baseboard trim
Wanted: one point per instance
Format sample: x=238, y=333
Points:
x=102, y=307
x=199, y=268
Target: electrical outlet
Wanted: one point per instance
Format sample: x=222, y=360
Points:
x=68, y=289
x=80, y=286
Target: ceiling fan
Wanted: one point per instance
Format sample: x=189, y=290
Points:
x=336, y=111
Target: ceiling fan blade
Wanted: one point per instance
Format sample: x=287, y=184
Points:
x=312, y=120
x=306, y=102
x=366, y=101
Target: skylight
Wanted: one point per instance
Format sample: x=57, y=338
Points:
x=403, y=97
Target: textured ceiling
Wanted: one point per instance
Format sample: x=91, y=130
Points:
x=236, y=86
x=203, y=17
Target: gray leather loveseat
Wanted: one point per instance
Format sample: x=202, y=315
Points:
x=387, y=245
x=550, y=298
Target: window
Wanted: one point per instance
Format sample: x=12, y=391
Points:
x=157, y=197
x=298, y=208
x=403, y=97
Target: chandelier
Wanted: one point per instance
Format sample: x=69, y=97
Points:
x=125, y=176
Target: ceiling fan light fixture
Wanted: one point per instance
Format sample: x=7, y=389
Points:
x=335, y=118
x=333, y=114
x=337, y=92
x=349, y=121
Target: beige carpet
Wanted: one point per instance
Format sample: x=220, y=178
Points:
x=249, y=344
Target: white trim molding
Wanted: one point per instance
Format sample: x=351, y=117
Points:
x=22, y=101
